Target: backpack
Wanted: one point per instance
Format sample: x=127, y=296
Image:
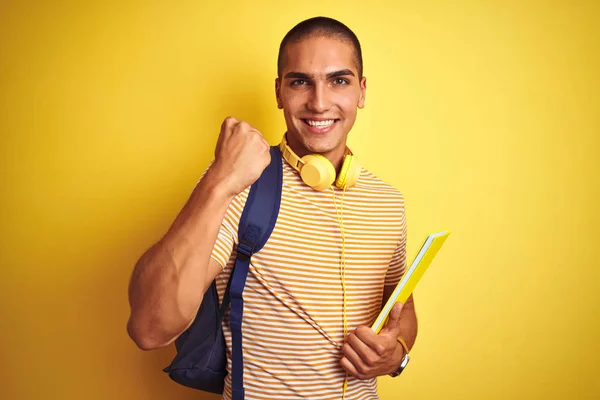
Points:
x=201, y=360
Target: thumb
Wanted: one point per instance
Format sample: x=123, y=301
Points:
x=393, y=324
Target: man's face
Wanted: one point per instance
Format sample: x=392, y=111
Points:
x=319, y=91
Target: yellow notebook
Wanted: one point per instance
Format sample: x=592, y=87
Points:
x=411, y=277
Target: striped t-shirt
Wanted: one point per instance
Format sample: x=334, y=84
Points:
x=292, y=328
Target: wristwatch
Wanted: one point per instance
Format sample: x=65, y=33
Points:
x=405, y=359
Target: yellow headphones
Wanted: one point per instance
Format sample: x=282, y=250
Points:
x=318, y=172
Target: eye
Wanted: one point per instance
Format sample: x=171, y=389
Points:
x=340, y=81
x=299, y=82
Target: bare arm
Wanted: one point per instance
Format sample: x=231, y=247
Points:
x=169, y=280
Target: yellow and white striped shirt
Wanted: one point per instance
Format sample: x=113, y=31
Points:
x=292, y=328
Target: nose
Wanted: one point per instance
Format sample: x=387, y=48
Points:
x=319, y=101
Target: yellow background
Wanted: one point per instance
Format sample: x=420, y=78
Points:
x=484, y=114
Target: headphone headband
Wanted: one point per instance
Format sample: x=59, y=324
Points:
x=289, y=155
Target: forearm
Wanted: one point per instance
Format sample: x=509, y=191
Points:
x=169, y=280
x=408, y=324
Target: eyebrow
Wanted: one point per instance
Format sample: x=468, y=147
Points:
x=335, y=74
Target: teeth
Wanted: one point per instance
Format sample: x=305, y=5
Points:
x=320, y=124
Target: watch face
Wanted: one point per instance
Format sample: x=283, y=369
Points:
x=405, y=362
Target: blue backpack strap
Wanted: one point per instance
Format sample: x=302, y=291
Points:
x=256, y=224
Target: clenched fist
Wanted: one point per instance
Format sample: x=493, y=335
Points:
x=368, y=355
x=242, y=154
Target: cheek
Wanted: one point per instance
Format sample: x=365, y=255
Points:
x=348, y=105
x=346, y=98
x=292, y=104
x=290, y=110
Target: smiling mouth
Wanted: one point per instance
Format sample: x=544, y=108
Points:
x=321, y=123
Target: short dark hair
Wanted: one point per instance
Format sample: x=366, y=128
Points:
x=321, y=27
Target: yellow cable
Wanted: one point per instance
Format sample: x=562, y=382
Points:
x=340, y=217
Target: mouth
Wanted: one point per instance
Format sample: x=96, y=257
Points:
x=320, y=125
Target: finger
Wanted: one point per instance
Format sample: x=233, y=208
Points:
x=369, y=338
x=260, y=137
x=243, y=126
x=267, y=158
x=226, y=129
x=267, y=147
x=393, y=324
x=228, y=124
x=255, y=132
x=354, y=358
x=350, y=368
x=366, y=354
x=265, y=141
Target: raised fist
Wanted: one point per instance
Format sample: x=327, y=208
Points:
x=242, y=154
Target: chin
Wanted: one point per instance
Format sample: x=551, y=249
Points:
x=321, y=148
x=315, y=143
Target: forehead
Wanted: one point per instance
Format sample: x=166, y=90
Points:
x=319, y=56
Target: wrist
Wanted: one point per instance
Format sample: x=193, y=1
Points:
x=399, y=353
x=219, y=184
x=401, y=357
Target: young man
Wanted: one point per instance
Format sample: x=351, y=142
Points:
x=334, y=256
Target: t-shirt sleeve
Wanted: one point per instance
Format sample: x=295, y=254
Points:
x=398, y=263
x=223, y=246
x=227, y=238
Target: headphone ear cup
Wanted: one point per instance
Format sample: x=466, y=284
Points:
x=349, y=173
x=317, y=172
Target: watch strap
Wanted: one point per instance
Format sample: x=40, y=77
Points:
x=405, y=359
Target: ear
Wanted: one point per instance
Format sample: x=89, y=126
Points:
x=363, y=92
x=278, y=93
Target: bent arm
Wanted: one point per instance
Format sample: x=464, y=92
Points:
x=169, y=280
